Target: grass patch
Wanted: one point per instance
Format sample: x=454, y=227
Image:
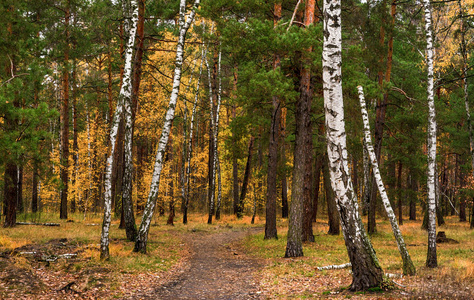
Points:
x=455, y=260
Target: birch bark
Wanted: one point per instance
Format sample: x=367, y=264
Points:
x=141, y=241
x=408, y=267
x=212, y=155
x=217, y=167
x=466, y=93
x=124, y=96
x=431, y=260
x=366, y=271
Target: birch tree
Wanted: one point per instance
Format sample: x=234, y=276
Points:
x=431, y=259
x=366, y=270
x=124, y=97
x=408, y=267
x=141, y=241
x=217, y=164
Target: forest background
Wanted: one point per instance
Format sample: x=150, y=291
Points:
x=243, y=73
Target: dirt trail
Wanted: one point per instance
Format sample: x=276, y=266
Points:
x=218, y=269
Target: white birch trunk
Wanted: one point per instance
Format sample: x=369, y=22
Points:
x=432, y=260
x=124, y=96
x=465, y=85
x=408, y=267
x=366, y=194
x=366, y=271
x=140, y=244
x=211, y=190
x=217, y=167
x=190, y=144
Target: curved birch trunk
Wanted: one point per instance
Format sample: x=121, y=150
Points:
x=431, y=259
x=366, y=270
x=124, y=96
x=141, y=241
x=408, y=267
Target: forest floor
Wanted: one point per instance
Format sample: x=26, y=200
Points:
x=227, y=260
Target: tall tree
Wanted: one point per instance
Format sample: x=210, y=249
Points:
x=65, y=118
x=142, y=237
x=300, y=207
x=123, y=100
x=270, y=207
x=408, y=267
x=366, y=270
x=431, y=260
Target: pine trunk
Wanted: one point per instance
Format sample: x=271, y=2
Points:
x=9, y=194
x=65, y=123
x=366, y=271
x=284, y=185
x=333, y=217
x=270, y=206
x=317, y=182
x=141, y=240
x=245, y=183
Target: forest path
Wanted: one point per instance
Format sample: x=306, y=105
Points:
x=217, y=269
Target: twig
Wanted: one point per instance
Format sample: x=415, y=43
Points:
x=294, y=14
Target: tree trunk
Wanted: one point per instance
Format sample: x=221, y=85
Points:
x=245, y=183
x=333, y=217
x=190, y=143
x=65, y=122
x=270, y=206
x=367, y=183
x=413, y=190
x=431, y=260
x=366, y=271
x=235, y=166
x=19, y=191
x=408, y=267
x=34, y=194
x=141, y=241
x=124, y=100
x=169, y=159
x=284, y=185
x=466, y=94
x=75, y=146
x=317, y=181
x=212, y=147
x=215, y=130
x=9, y=196
x=306, y=97
x=130, y=108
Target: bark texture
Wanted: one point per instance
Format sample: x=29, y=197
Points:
x=366, y=270
x=408, y=266
x=141, y=240
x=124, y=96
x=431, y=260
x=65, y=122
x=270, y=207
